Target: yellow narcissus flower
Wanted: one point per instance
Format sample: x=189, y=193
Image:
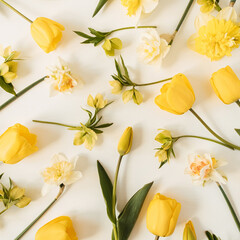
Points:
x=85, y=136
x=203, y=169
x=125, y=142
x=216, y=37
x=60, y=228
x=226, y=85
x=134, y=95
x=189, y=232
x=16, y=143
x=136, y=7
x=61, y=78
x=61, y=172
x=117, y=86
x=162, y=215
x=207, y=5
x=46, y=33
x=98, y=102
x=152, y=48
x=177, y=96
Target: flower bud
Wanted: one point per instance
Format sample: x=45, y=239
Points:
x=125, y=143
x=189, y=232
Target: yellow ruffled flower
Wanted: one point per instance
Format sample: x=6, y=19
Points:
x=98, y=102
x=16, y=143
x=189, y=232
x=216, y=37
x=60, y=228
x=125, y=142
x=46, y=33
x=226, y=85
x=207, y=5
x=85, y=136
x=162, y=215
x=116, y=86
x=176, y=97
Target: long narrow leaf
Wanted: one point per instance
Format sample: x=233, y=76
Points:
x=238, y=131
x=107, y=189
x=101, y=3
x=130, y=213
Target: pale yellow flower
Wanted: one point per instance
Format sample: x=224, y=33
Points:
x=85, y=136
x=216, y=37
x=8, y=71
x=117, y=86
x=61, y=78
x=7, y=54
x=61, y=172
x=134, y=95
x=203, y=169
x=110, y=45
x=152, y=48
x=207, y=5
x=137, y=7
x=97, y=102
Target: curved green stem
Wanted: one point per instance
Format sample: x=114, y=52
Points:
x=3, y=211
x=238, y=103
x=230, y=206
x=156, y=237
x=126, y=28
x=62, y=186
x=151, y=83
x=21, y=93
x=115, y=198
x=54, y=123
x=181, y=20
x=16, y=11
x=204, y=138
x=217, y=7
x=212, y=132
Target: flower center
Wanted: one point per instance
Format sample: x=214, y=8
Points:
x=131, y=5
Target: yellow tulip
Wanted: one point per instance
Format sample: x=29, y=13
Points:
x=46, y=33
x=177, y=96
x=60, y=228
x=226, y=85
x=162, y=215
x=189, y=232
x=17, y=143
x=125, y=143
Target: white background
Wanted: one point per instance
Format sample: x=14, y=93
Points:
x=83, y=201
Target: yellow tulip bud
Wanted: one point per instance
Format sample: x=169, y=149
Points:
x=162, y=215
x=125, y=143
x=176, y=97
x=16, y=143
x=189, y=232
x=58, y=228
x=46, y=33
x=226, y=85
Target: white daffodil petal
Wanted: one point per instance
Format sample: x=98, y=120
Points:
x=46, y=189
x=75, y=176
x=228, y=13
x=149, y=5
x=59, y=157
x=217, y=177
x=202, y=19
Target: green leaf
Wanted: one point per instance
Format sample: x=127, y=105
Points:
x=131, y=211
x=105, y=125
x=81, y=34
x=107, y=190
x=238, y=131
x=97, y=131
x=124, y=67
x=101, y=3
x=163, y=163
x=1, y=175
x=209, y=235
x=8, y=87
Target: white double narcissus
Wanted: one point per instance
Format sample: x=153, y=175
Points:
x=137, y=7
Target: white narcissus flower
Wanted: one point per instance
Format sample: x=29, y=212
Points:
x=203, y=169
x=137, y=7
x=61, y=78
x=61, y=172
x=152, y=48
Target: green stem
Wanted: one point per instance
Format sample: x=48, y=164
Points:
x=232, y=2
x=62, y=186
x=238, y=103
x=212, y=132
x=20, y=93
x=151, y=83
x=182, y=20
x=3, y=211
x=156, y=237
x=230, y=207
x=16, y=11
x=54, y=123
x=115, y=198
x=126, y=28
x=204, y=138
x=217, y=7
